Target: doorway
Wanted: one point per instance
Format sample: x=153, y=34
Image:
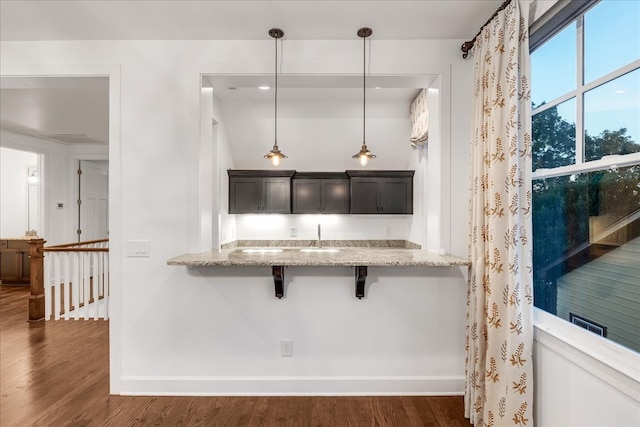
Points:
x=93, y=200
x=20, y=193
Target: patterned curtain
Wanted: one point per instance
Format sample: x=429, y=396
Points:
x=499, y=370
x=419, y=120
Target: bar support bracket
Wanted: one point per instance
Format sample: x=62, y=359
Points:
x=361, y=277
x=278, y=279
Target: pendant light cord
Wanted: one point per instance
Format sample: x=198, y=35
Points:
x=275, y=135
x=364, y=88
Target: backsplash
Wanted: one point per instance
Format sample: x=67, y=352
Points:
x=392, y=244
x=334, y=227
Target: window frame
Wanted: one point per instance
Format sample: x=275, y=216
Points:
x=575, y=11
x=550, y=330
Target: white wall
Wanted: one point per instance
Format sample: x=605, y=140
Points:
x=58, y=166
x=227, y=222
x=320, y=129
x=180, y=330
x=582, y=379
x=14, y=213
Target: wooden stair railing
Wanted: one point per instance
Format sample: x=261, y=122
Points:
x=36, y=262
x=39, y=305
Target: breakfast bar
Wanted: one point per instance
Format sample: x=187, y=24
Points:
x=357, y=254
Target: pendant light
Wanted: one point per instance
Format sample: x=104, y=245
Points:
x=275, y=155
x=364, y=154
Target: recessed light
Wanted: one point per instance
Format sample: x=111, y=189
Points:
x=264, y=87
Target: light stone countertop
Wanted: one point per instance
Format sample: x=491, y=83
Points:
x=293, y=256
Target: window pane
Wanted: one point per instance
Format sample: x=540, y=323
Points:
x=586, y=247
x=554, y=136
x=611, y=37
x=553, y=67
x=612, y=117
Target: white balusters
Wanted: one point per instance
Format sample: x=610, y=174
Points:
x=77, y=281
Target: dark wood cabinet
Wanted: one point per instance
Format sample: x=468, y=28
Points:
x=353, y=191
x=320, y=192
x=260, y=191
x=381, y=192
x=14, y=261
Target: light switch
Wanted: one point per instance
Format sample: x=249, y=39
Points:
x=137, y=248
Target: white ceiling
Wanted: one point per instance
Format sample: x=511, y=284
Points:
x=75, y=110
x=69, y=110
x=241, y=20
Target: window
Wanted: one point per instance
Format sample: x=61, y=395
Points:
x=586, y=166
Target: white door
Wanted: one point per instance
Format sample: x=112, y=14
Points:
x=93, y=215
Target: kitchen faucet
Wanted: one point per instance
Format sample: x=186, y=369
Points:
x=319, y=236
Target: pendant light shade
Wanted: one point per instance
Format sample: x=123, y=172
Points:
x=275, y=155
x=364, y=154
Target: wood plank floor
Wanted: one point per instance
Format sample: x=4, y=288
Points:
x=57, y=374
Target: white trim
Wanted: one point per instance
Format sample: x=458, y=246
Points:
x=633, y=66
x=293, y=386
x=113, y=72
x=602, y=358
x=579, y=159
x=554, y=103
x=613, y=161
x=350, y=69
x=612, y=76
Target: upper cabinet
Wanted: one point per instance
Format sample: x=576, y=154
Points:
x=354, y=191
x=320, y=192
x=381, y=192
x=260, y=191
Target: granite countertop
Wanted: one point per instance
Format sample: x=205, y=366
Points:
x=350, y=253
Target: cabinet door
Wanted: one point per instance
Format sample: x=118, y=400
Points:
x=244, y=195
x=14, y=261
x=335, y=196
x=306, y=196
x=398, y=196
x=276, y=195
x=365, y=197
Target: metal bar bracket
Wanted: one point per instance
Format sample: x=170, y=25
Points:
x=278, y=279
x=361, y=277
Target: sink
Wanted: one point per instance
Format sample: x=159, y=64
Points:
x=321, y=250
x=262, y=251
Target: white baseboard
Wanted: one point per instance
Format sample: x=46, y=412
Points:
x=292, y=386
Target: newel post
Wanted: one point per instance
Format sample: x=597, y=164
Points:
x=36, y=264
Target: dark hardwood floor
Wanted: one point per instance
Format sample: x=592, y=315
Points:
x=57, y=374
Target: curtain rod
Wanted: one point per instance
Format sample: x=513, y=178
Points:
x=466, y=46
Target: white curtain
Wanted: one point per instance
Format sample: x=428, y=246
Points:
x=419, y=112
x=499, y=372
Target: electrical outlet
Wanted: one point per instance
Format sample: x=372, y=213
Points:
x=286, y=348
x=387, y=231
x=294, y=231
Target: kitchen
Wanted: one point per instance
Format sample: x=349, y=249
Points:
x=341, y=344
x=204, y=330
